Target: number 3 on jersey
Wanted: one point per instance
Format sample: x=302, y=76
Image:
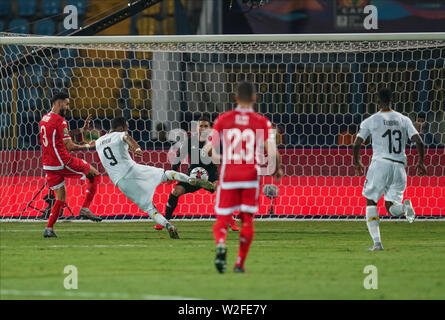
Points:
x=235, y=151
x=44, y=138
x=110, y=156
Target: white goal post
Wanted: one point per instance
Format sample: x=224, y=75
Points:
x=315, y=88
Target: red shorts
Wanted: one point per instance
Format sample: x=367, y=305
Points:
x=76, y=168
x=230, y=200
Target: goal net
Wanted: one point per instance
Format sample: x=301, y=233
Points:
x=315, y=89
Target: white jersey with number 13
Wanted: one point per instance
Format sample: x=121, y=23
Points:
x=389, y=131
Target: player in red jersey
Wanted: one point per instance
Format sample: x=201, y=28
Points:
x=244, y=134
x=58, y=164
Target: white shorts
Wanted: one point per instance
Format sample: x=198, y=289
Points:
x=385, y=177
x=140, y=183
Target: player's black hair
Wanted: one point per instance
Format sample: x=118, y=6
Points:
x=246, y=91
x=62, y=95
x=205, y=117
x=421, y=115
x=385, y=96
x=161, y=127
x=118, y=122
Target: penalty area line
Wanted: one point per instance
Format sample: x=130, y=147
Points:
x=92, y=295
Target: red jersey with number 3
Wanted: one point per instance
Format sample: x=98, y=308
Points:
x=242, y=133
x=53, y=131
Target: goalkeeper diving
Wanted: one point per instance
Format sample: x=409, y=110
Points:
x=137, y=182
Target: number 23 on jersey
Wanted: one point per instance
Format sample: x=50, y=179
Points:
x=240, y=144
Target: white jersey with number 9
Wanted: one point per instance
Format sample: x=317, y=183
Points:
x=114, y=155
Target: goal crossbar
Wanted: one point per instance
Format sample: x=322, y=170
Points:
x=47, y=40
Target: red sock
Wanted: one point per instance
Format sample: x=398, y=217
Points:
x=245, y=237
x=55, y=211
x=91, y=191
x=220, y=228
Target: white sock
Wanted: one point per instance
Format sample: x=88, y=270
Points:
x=177, y=176
x=397, y=209
x=159, y=219
x=156, y=216
x=372, y=221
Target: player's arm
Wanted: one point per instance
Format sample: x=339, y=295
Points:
x=213, y=176
x=215, y=184
x=420, y=146
x=211, y=151
x=132, y=144
x=63, y=132
x=271, y=149
x=213, y=144
x=358, y=165
x=81, y=131
x=183, y=152
x=72, y=146
x=363, y=135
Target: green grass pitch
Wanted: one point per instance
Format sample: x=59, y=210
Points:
x=288, y=260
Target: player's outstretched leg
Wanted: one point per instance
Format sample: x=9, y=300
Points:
x=220, y=234
x=398, y=209
x=372, y=221
x=159, y=219
x=409, y=210
x=172, y=231
x=178, y=176
x=245, y=239
x=395, y=209
x=93, y=180
x=175, y=176
x=172, y=202
x=205, y=184
x=172, y=175
x=86, y=213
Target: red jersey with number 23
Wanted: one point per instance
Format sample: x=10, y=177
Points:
x=242, y=133
x=53, y=131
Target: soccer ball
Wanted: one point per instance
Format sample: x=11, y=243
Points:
x=271, y=191
x=199, y=173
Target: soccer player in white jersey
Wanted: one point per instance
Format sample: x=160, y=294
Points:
x=138, y=182
x=389, y=131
